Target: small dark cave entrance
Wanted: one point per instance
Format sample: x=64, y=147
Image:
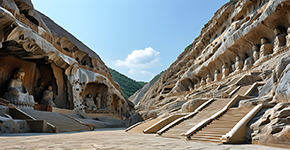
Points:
x=186, y=84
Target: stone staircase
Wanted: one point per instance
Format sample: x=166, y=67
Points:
x=145, y=125
x=214, y=131
x=62, y=122
x=242, y=90
x=208, y=111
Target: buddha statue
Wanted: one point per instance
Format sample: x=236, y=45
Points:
x=48, y=97
x=248, y=63
x=208, y=79
x=288, y=37
x=266, y=47
x=196, y=86
x=217, y=75
x=280, y=40
x=233, y=67
x=256, y=52
x=98, y=100
x=239, y=64
x=38, y=91
x=89, y=102
x=202, y=82
x=225, y=71
x=17, y=93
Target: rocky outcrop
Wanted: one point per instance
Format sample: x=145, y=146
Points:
x=136, y=97
x=274, y=126
x=51, y=56
x=240, y=29
x=243, y=50
x=9, y=125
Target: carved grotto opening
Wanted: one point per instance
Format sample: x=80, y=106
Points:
x=39, y=75
x=97, y=90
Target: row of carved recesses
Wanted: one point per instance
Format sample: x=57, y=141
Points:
x=178, y=68
x=62, y=44
x=241, y=56
x=211, y=39
x=262, y=42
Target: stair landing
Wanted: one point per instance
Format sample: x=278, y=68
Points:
x=62, y=122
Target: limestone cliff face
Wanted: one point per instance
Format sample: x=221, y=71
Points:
x=50, y=55
x=240, y=45
x=233, y=31
x=136, y=97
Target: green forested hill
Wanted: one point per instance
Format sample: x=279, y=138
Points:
x=128, y=86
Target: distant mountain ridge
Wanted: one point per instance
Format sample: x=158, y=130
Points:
x=128, y=85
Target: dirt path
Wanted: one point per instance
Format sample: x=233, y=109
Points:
x=110, y=139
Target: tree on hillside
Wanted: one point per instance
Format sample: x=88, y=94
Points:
x=128, y=85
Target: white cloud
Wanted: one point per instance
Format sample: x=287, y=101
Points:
x=139, y=60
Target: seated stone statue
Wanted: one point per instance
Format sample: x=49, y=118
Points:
x=217, y=76
x=288, y=37
x=17, y=93
x=239, y=64
x=280, y=40
x=89, y=102
x=256, y=52
x=266, y=47
x=196, y=86
x=202, y=82
x=225, y=71
x=98, y=100
x=47, y=98
x=38, y=91
x=208, y=78
x=233, y=67
x=248, y=63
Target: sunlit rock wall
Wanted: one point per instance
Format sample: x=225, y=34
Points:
x=50, y=55
x=245, y=37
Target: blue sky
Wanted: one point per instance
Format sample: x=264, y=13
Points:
x=138, y=38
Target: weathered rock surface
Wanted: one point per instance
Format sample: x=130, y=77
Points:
x=134, y=119
x=9, y=125
x=136, y=97
x=243, y=50
x=191, y=105
x=273, y=127
x=282, y=93
x=51, y=56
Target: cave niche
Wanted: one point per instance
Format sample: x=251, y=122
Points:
x=97, y=88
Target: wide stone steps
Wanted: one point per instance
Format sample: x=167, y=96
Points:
x=205, y=113
x=145, y=125
x=214, y=131
x=62, y=122
x=242, y=90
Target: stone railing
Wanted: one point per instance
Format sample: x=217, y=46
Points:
x=190, y=115
x=207, y=121
x=238, y=132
